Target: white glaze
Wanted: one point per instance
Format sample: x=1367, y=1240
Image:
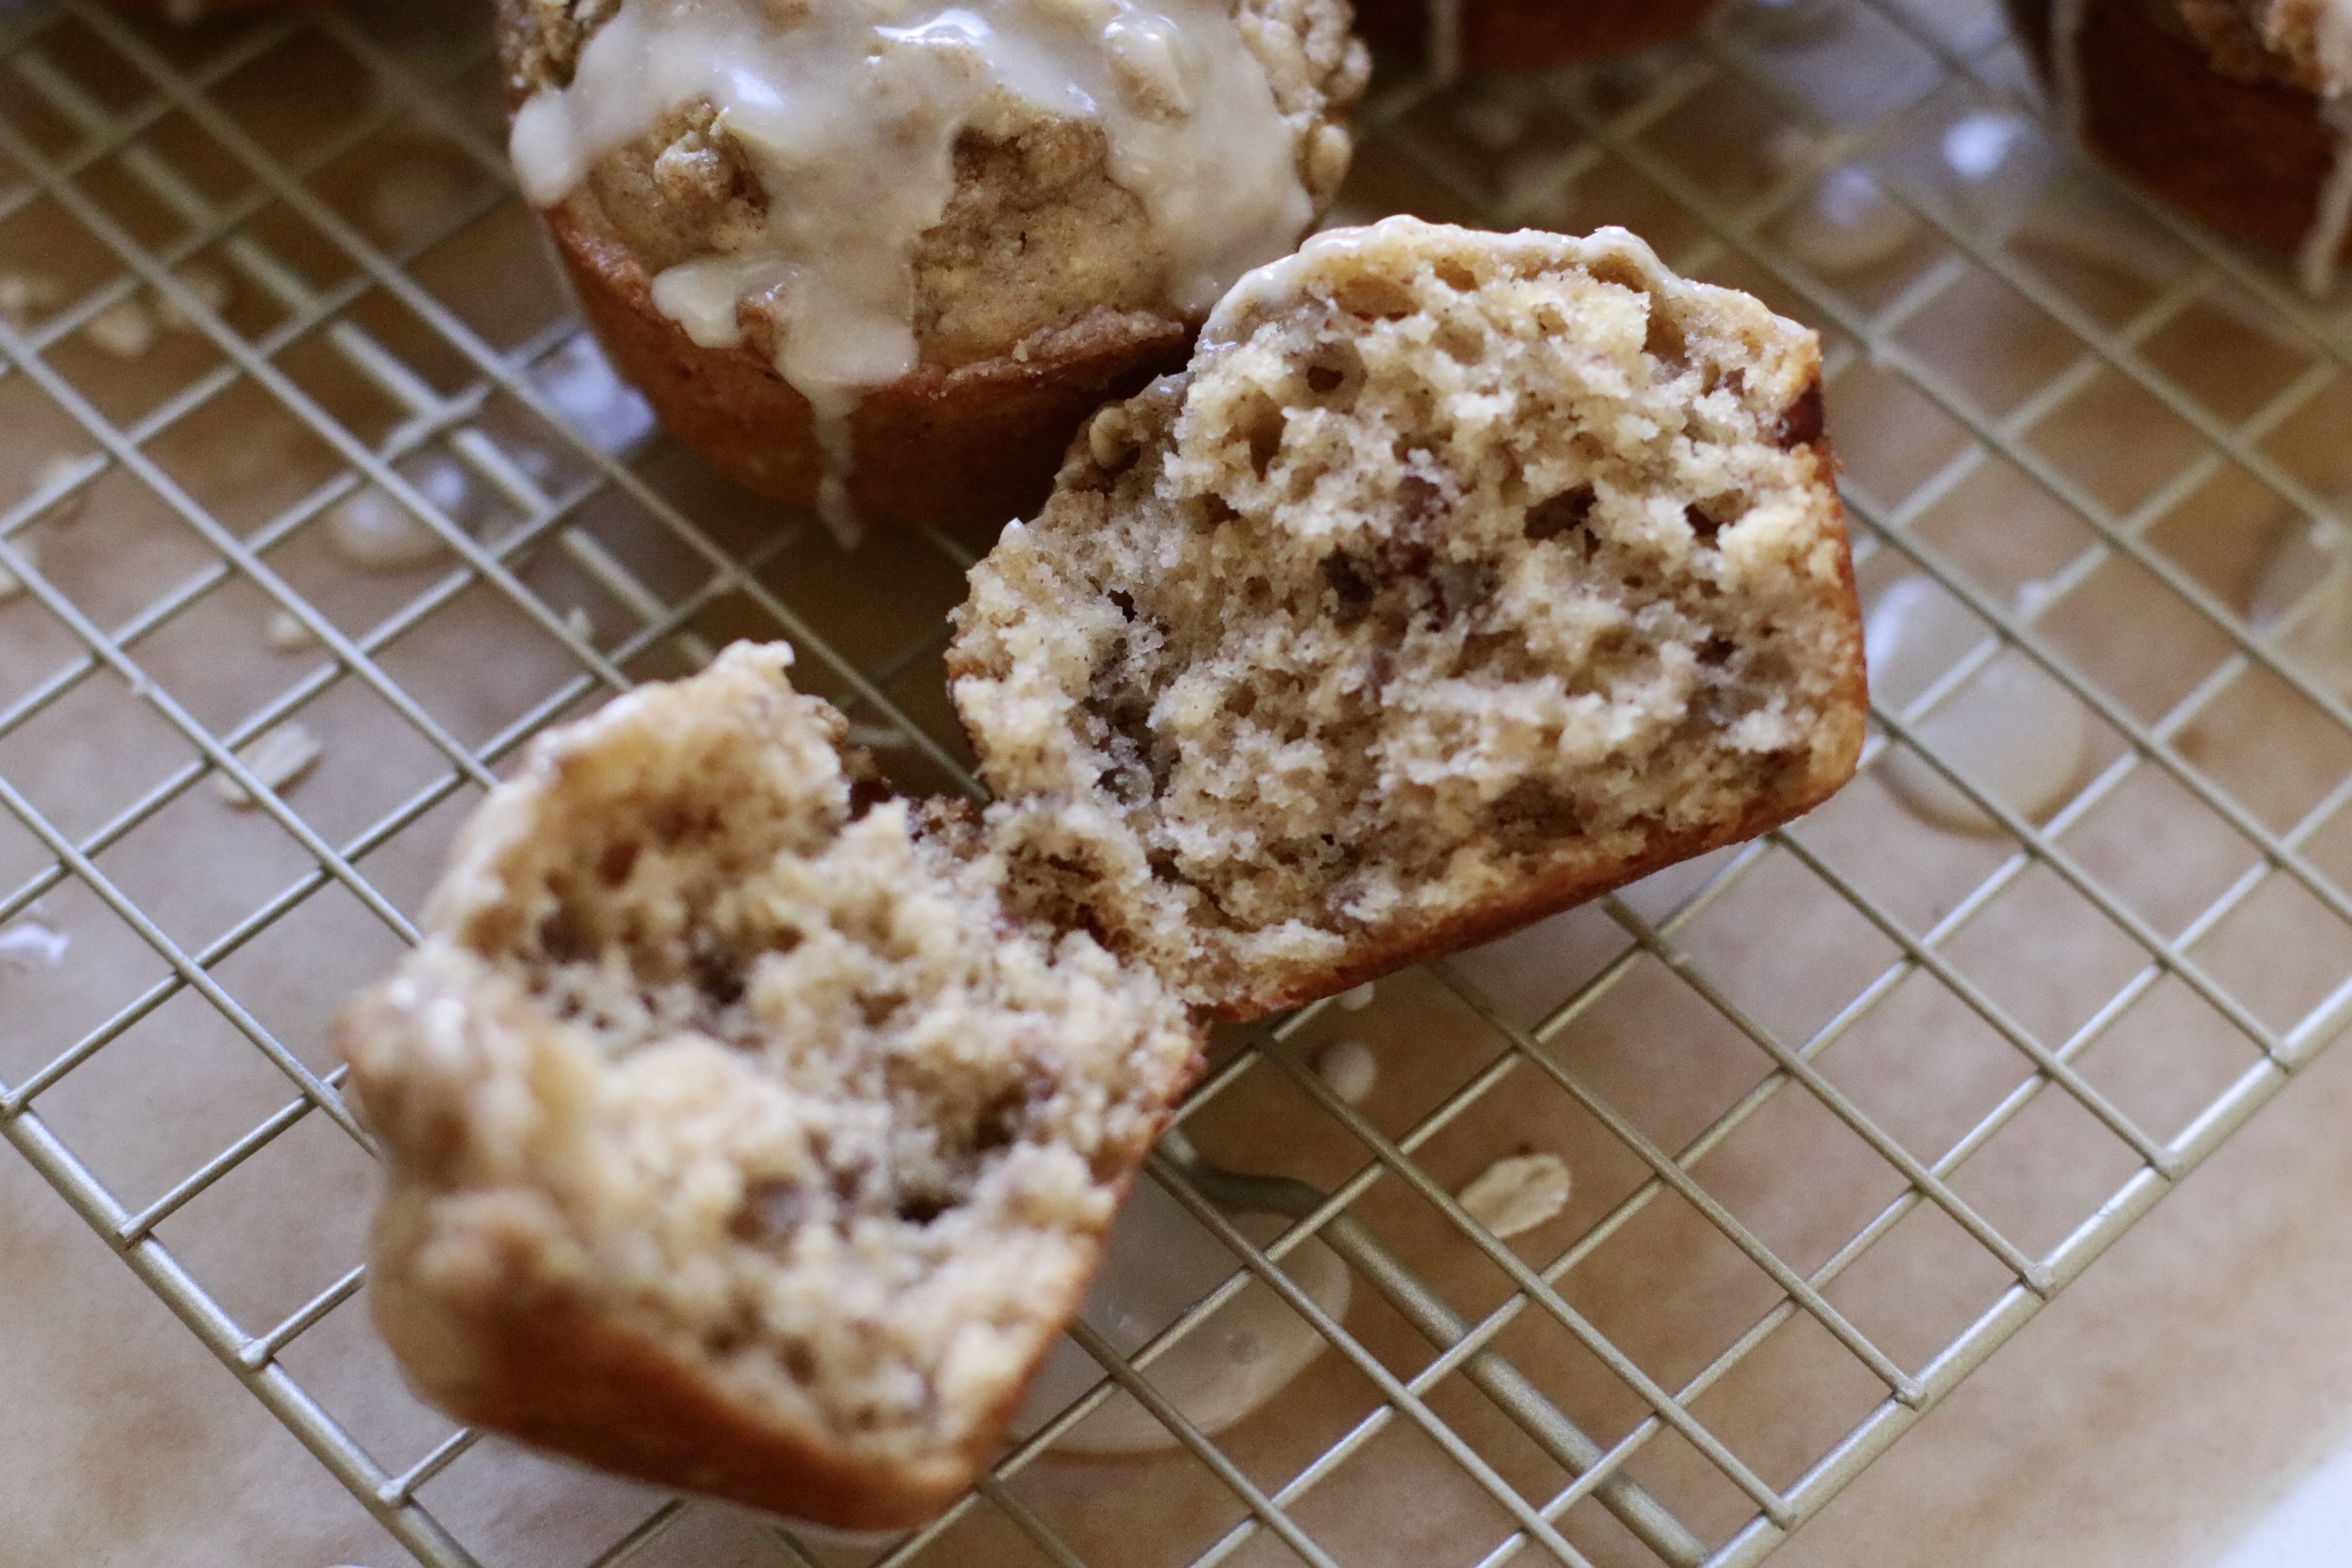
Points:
x=1848, y=223
x=29, y=945
x=1161, y=1262
x=2002, y=167
x=55, y=472
x=1978, y=144
x=2309, y=557
x=829, y=1542
x=595, y=402
x=2011, y=730
x=23, y=296
x=1283, y=283
x=850, y=116
x=286, y=632
x=1855, y=225
x=1513, y=1196
x=2313, y=559
x=374, y=532
x=1349, y=1069
x=124, y=329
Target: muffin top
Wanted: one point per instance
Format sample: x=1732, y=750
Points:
x=904, y=181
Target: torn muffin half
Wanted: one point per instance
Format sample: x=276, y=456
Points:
x=739, y=1138
x=1462, y=577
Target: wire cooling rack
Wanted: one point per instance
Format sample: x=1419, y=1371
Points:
x=1843, y=1107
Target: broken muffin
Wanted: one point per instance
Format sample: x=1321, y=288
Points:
x=1460, y=578
x=753, y=1133
x=739, y=1138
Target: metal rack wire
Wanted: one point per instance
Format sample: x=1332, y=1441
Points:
x=1847, y=1106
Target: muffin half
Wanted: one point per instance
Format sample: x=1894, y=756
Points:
x=1462, y=577
x=739, y=1138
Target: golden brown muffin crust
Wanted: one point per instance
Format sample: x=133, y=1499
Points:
x=972, y=445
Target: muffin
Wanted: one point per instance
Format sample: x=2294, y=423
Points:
x=739, y=1138
x=753, y=1133
x=2230, y=110
x=1521, y=34
x=886, y=271
x=1460, y=578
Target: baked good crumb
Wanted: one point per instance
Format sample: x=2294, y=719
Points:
x=739, y=1139
x=1461, y=577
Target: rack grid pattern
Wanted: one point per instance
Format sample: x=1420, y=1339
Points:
x=615, y=560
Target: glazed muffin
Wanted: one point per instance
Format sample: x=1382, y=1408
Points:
x=888, y=271
x=2230, y=110
x=1521, y=34
x=739, y=1138
x=1460, y=578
